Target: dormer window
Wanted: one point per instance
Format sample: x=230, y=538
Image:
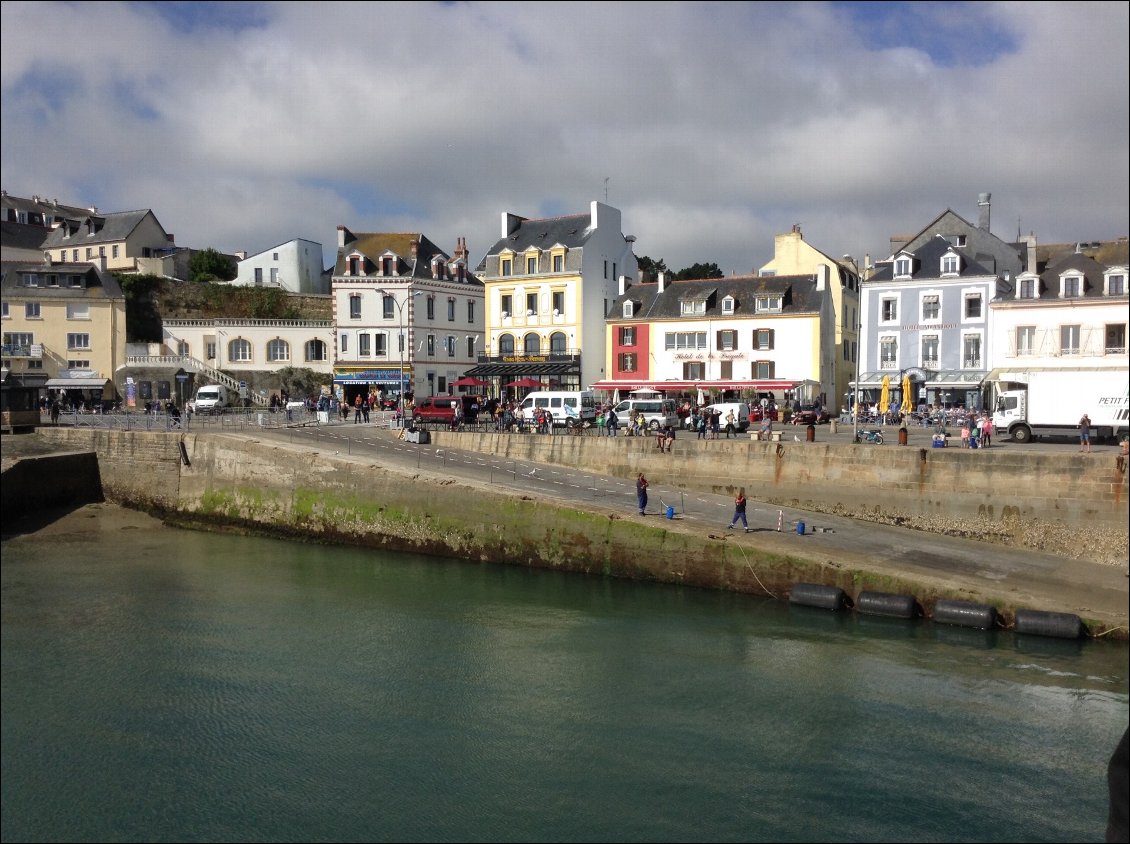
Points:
x=1072, y=287
x=768, y=304
x=951, y=264
x=388, y=266
x=439, y=269
x=557, y=258
x=693, y=307
x=903, y=267
x=1116, y=284
x=506, y=267
x=531, y=264
x=728, y=305
x=354, y=264
x=629, y=309
x=1027, y=287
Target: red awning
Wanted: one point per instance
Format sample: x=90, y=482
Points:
x=762, y=386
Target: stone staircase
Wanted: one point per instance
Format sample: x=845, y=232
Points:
x=192, y=364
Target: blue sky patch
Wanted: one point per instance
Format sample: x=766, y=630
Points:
x=951, y=34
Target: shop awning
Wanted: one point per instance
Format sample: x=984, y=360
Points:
x=512, y=370
x=965, y=378
x=79, y=384
x=759, y=386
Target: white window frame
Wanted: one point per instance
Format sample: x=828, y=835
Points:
x=1114, y=282
x=278, y=350
x=966, y=361
x=904, y=267
x=769, y=304
x=933, y=362
x=1027, y=332
x=966, y=297
x=78, y=310
x=728, y=305
x=692, y=307
x=242, y=342
x=884, y=301
x=936, y=295
x=951, y=264
x=1077, y=283
x=888, y=340
x=1073, y=333
x=78, y=342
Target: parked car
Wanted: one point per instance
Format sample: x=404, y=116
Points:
x=435, y=409
x=810, y=414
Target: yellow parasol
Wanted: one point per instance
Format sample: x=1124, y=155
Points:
x=907, y=400
x=885, y=396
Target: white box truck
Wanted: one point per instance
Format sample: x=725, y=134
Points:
x=1050, y=402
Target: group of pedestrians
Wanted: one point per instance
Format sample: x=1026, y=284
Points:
x=976, y=432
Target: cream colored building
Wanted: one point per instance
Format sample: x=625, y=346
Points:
x=125, y=241
x=64, y=327
x=793, y=255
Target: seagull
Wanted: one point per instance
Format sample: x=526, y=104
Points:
x=533, y=470
x=796, y=439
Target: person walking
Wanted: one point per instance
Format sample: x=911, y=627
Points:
x=1085, y=434
x=365, y=405
x=357, y=409
x=641, y=493
x=739, y=511
x=986, y=431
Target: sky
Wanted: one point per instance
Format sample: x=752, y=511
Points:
x=712, y=127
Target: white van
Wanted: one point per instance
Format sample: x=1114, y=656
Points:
x=657, y=412
x=741, y=416
x=211, y=399
x=568, y=407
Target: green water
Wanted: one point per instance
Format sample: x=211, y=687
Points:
x=178, y=686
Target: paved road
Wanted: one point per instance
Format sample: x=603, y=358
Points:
x=1022, y=576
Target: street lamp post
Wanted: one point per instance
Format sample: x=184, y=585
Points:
x=401, y=340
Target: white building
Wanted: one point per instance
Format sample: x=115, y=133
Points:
x=407, y=315
x=294, y=266
x=1071, y=313
x=739, y=336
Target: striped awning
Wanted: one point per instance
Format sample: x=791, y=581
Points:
x=511, y=370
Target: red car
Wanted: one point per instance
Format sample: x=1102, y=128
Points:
x=810, y=414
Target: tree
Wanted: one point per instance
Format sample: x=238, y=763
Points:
x=649, y=269
x=696, y=271
x=211, y=265
x=300, y=382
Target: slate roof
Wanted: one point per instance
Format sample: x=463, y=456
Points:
x=99, y=284
x=22, y=235
x=798, y=292
x=375, y=244
x=928, y=263
x=114, y=227
x=571, y=232
x=1089, y=268
x=1110, y=253
x=49, y=210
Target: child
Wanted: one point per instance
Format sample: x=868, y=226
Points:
x=965, y=434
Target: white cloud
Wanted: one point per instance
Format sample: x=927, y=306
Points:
x=718, y=125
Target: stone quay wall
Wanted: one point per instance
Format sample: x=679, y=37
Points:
x=1074, y=490
x=267, y=486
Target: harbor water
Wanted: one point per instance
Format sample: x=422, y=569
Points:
x=165, y=685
